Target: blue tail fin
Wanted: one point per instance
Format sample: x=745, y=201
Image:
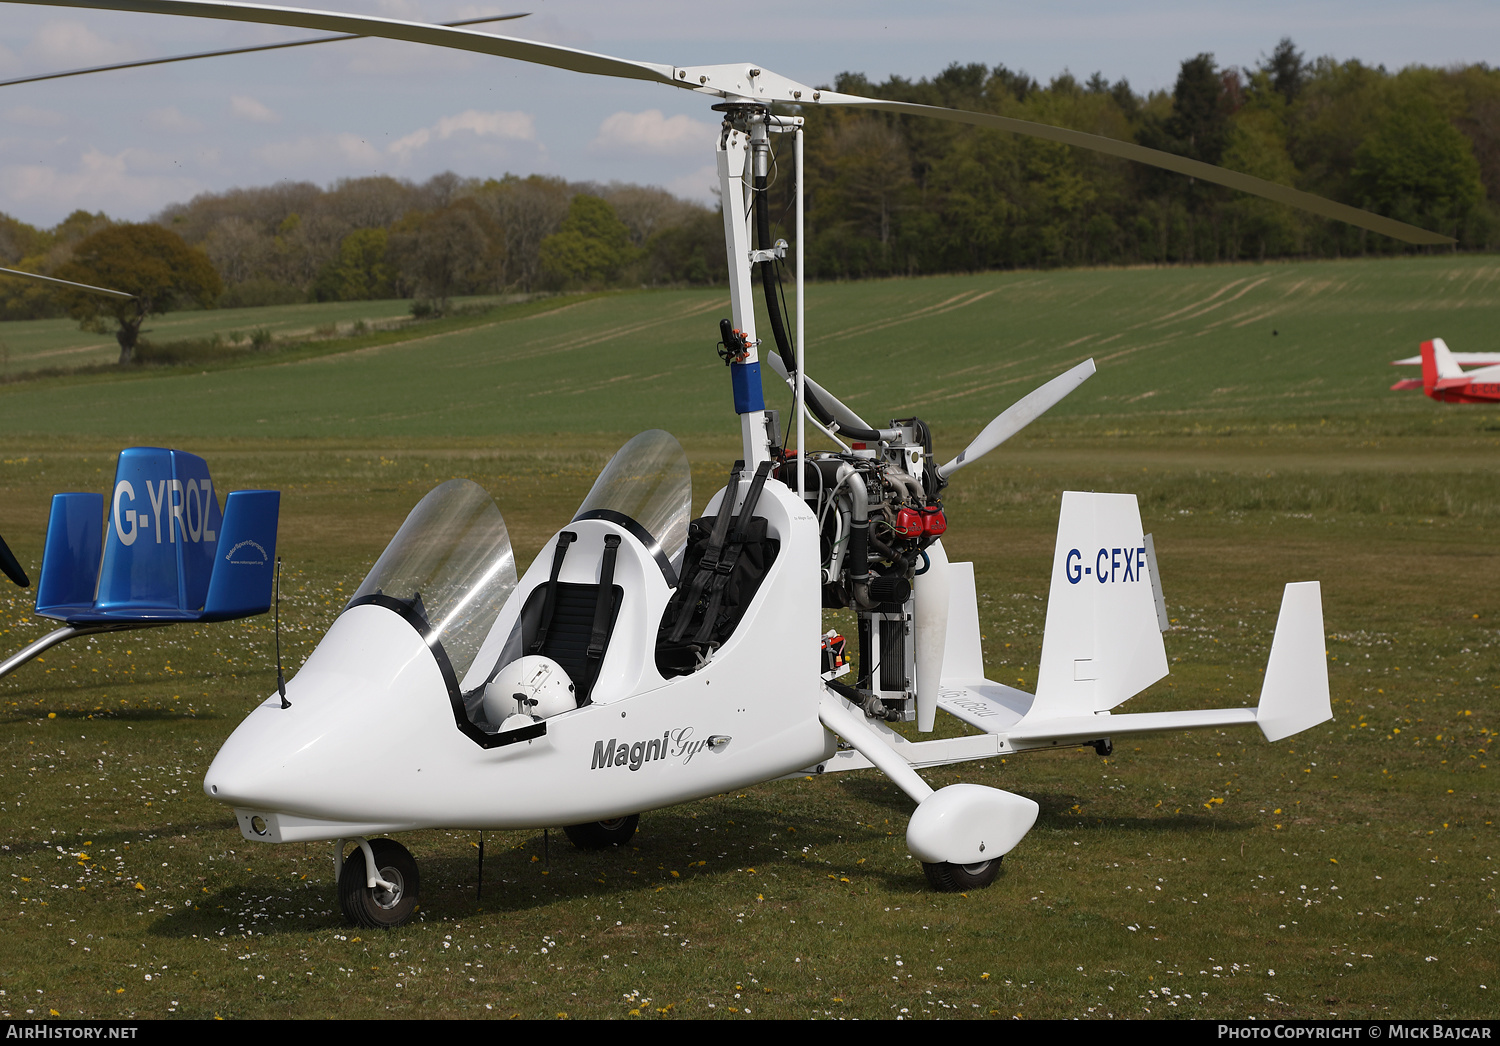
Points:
x=169, y=554
x=70, y=560
x=245, y=565
x=162, y=533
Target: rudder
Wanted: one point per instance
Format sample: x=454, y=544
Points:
x=245, y=567
x=1102, y=644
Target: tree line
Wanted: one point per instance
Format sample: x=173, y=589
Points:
x=381, y=237
x=895, y=195
x=887, y=194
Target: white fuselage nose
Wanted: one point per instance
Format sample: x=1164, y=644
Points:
x=370, y=725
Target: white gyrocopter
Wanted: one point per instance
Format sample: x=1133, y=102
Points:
x=646, y=659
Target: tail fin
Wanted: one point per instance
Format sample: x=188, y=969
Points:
x=70, y=559
x=162, y=532
x=1294, y=695
x=1102, y=644
x=1438, y=364
x=246, y=563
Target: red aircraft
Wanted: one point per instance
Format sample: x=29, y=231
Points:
x=1444, y=379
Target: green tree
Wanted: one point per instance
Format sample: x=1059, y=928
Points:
x=361, y=272
x=1199, y=124
x=1419, y=168
x=148, y=261
x=592, y=246
x=456, y=249
x=1285, y=70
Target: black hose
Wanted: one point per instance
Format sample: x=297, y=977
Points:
x=778, y=326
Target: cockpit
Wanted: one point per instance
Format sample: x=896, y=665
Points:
x=580, y=626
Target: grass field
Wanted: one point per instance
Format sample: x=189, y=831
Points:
x=27, y=346
x=1347, y=871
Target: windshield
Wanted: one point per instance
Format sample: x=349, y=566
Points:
x=648, y=481
x=451, y=563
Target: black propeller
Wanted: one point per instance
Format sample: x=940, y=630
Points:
x=11, y=567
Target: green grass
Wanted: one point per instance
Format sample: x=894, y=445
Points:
x=33, y=345
x=1180, y=351
x=1355, y=860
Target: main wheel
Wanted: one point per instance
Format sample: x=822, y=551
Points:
x=600, y=835
x=954, y=878
x=377, y=907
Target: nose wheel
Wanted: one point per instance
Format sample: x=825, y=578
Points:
x=379, y=907
x=601, y=835
x=955, y=878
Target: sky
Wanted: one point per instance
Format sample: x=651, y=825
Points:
x=130, y=142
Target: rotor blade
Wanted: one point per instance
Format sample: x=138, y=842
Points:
x=751, y=84
x=388, y=28
x=841, y=414
x=1156, y=158
x=66, y=283
x=1020, y=414
x=12, y=567
x=233, y=50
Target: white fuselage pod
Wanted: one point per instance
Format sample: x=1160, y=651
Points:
x=375, y=738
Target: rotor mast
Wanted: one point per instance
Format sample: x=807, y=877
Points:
x=744, y=162
x=744, y=151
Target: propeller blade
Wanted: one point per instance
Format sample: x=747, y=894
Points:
x=1156, y=158
x=66, y=283
x=11, y=567
x=221, y=54
x=843, y=415
x=388, y=28
x=1020, y=414
x=747, y=83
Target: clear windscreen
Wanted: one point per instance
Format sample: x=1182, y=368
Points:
x=451, y=562
x=649, y=481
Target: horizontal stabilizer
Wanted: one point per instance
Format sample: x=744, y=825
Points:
x=245, y=566
x=1463, y=359
x=70, y=559
x=1097, y=727
x=1294, y=695
x=990, y=706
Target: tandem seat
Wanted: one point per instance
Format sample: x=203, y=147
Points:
x=569, y=622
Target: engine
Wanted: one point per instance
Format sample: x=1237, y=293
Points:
x=879, y=506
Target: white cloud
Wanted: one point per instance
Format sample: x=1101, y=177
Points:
x=353, y=147
x=505, y=125
x=700, y=185
x=123, y=183
x=247, y=108
x=314, y=151
x=651, y=132
x=71, y=45
x=172, y=121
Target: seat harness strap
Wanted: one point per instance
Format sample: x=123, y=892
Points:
x=603, y=609
x=725, y=562
x=710, y=558
x=549, y=602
